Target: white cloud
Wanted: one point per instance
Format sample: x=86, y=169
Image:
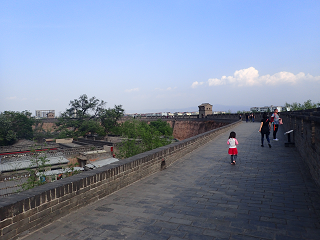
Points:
x=250, y=77
x=132, y=90
x=12, y=98
x=216, y=81
x=196, y=83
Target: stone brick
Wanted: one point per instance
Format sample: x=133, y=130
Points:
x=5, y=211
x=48, y=205
x=12, y=227
x=40, y=215
x=8, y=235
x=60, y=205
x=5, y=222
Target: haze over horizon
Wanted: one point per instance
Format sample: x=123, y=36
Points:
x=158, y=55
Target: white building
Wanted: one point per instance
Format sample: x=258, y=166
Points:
x=268, y=109
x=44, y=113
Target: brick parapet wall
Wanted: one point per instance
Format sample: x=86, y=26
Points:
x=32, y=209
x=306, y=136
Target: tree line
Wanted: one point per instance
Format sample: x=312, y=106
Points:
x=302, y=106
x=14, y=126
x=88, y=117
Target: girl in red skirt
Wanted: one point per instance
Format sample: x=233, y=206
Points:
x=233, y=151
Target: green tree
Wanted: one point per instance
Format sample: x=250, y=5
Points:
x=15, y=126
x=298, y=106
x=36, y=171
x=141, y=137
x=163, y=127
x=309, y=105
x=83, y=117
x=110, y=117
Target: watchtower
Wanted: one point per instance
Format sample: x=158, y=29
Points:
x=204, y=110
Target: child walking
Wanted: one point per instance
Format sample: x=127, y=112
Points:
x=233, y=151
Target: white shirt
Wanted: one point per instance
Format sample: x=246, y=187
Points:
x=232, y=142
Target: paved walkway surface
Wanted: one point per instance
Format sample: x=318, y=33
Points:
x=268, y=194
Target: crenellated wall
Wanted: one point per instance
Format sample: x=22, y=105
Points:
x=32, y=209
x=306, y=137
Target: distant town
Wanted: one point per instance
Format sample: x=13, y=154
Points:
x=51, y=113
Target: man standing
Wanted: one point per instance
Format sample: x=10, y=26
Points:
x=276, y=119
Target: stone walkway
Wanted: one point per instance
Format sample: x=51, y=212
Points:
x=268, y=194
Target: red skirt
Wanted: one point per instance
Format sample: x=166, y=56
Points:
x=233, y=151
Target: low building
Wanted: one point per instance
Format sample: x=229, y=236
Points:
x=45, y=113
x=269, y=109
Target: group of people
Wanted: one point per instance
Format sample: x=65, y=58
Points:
x=265, y=129
x=265, y=126
x=250, y=117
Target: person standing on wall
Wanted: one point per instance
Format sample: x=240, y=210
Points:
x=275, y=120
x=265, y=128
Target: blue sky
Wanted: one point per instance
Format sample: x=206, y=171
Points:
x=152, y=56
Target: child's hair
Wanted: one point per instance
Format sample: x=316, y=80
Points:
x=232, y=135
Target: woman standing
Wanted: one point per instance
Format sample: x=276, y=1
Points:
x=265, y=127
x=276, y=119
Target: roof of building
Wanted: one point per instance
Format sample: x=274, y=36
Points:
x=24, y=164
x=205, y=104
x=100, y=163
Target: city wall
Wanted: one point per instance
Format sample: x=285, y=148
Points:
x=189, y=126
x=306, y=137
x=186, y=129
x=183, y=126
x=32, y=209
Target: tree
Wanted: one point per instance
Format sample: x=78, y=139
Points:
x=81, y=118
x=88, y=116
x=36, y=171
x=141, y=137
x=298, y=106
x=163, y=127
x=14, y=126
x=110, y=117
x=309, y=105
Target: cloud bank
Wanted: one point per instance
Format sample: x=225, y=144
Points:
x=196, y=84
x=250, y=77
